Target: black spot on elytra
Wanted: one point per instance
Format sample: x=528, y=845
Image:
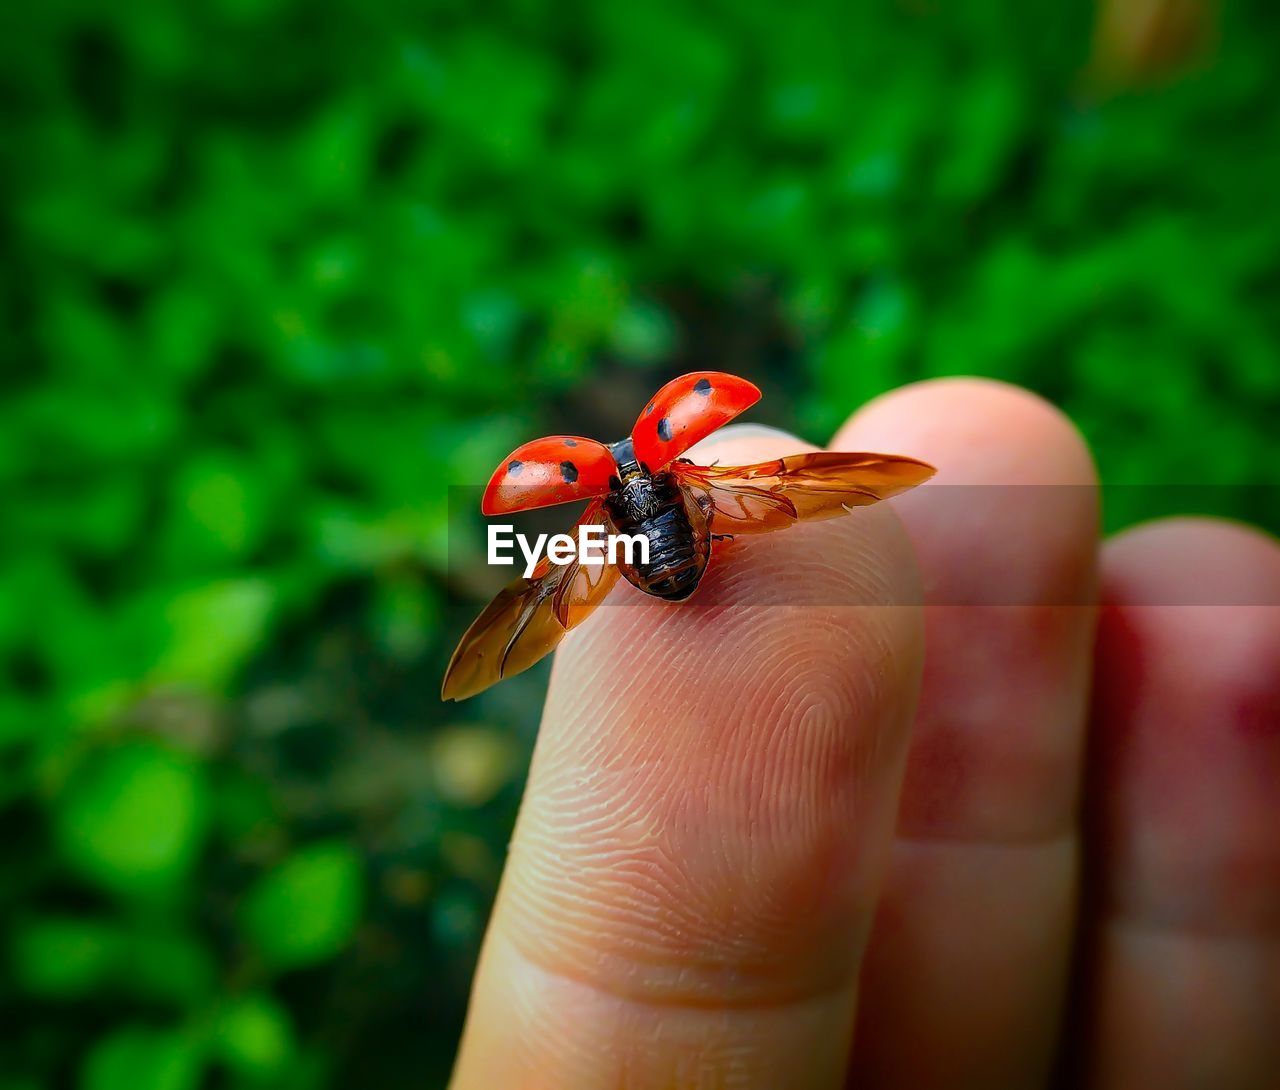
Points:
x=703, y=387
x=571, y=442
x=664, y=429
x=648, y=408
x=569, y=472
x=514, y=467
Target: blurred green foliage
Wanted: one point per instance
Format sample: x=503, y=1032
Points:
x=276, y=275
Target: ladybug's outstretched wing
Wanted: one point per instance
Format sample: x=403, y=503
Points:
x=557, y=469
x=526, y=621
x=685, y=410
x=773, y=495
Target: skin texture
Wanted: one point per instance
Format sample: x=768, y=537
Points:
x=696, y=863
x=1185, y=942
x=734, y=852
x=985, y=859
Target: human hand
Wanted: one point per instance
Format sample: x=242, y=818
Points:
x=1078, y=876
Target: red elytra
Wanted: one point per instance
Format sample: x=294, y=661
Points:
x=557, y=469
x=686, y=410
x=564, y=468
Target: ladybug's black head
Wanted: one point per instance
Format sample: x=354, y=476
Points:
x=624, y=456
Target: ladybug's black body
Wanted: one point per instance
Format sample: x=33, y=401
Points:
x=652, y=505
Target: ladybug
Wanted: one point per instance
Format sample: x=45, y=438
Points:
x=641, y=485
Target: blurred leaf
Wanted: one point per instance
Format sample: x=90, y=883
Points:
x=252, y=1035
x=182, y=328
x=63, y=957
x=307, y=909
x=168, y=966
x=405, y=613
x=643, y=332
x=133, y=819
x=139, y=1058
x=212, y=629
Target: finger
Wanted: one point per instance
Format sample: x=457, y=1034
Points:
x=707, y=815
x=1184, y=980
x=966, y=971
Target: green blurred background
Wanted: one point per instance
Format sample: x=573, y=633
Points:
x=277, y=274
